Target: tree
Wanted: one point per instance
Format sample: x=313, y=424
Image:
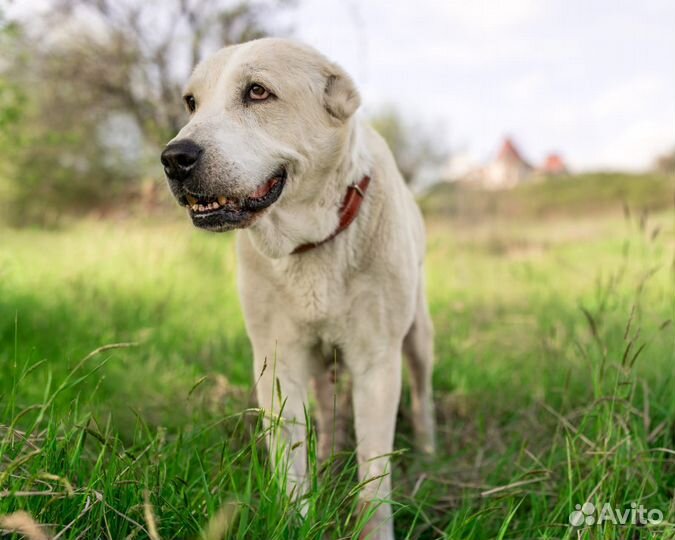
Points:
x=12, y=101
x=136, y=56
x=666, y=163
x=102, y=82
x=418, y=150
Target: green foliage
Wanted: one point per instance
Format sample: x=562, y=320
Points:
x=11, y=101
x=666, y=163
x=11, y=107
x=65, y=151
x=53, y=157
x=416, y=147
x=553, y=386
x=570, y=195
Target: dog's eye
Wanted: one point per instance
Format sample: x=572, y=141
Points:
x=191, y=103
x=257, y=92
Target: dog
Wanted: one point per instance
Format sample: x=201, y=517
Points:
x=330, y=252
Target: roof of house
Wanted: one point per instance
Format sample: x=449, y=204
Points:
x=509, y=152
x=554, y=164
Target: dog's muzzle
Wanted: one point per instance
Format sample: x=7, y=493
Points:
x=208, y=207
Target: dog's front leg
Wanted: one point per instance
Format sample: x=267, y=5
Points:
x=282, y=372
x=376, y=390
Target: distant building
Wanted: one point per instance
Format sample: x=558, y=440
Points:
x=509, y=169
x=554, y=166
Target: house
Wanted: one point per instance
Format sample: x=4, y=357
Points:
x=553, y=166
x=508, y=169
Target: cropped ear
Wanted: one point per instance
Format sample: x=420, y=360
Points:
x=341, y=98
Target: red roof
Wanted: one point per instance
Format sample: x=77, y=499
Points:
x=554, y=164
x=509, y=152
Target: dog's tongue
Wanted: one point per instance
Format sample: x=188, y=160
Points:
x=264, y=189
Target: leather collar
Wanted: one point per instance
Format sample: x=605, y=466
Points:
x=349, y=209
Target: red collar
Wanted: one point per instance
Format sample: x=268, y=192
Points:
x=348, y=212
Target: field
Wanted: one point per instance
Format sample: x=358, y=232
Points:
x=125, y=385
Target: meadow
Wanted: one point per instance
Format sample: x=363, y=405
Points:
x=126, y=407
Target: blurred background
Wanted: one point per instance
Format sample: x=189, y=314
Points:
x=470, y=95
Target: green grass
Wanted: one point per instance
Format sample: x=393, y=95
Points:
x=554, y=386
x=575, y=195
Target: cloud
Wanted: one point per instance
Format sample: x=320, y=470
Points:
x=636, y=145
x=630, y=97
x=489, y=14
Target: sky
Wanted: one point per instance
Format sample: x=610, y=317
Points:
x=593, y=80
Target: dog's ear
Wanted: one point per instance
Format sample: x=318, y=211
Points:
x=341, y=98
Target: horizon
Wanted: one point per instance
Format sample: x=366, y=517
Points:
x=588, y=82
x=593, y=83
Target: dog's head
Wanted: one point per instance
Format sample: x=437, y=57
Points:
x=262, y=115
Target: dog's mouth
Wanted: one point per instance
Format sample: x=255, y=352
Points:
x=224, y=212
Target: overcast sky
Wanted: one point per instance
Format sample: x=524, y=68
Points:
x=592, y=79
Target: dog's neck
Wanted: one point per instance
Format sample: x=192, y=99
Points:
x=313, y=218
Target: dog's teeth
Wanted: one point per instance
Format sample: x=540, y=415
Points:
x=222, y=200
x=215, y=205
x=201, y=207
x=194, y=207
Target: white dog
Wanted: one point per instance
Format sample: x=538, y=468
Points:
x=330, y=259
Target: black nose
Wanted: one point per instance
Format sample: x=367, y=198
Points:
x=180, y=157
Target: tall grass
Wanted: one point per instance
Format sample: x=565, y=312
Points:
x=553, y=383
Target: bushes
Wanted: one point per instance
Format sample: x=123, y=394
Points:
x=575, y=195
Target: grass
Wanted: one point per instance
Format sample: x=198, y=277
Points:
x=578, y=195
x=554, y=386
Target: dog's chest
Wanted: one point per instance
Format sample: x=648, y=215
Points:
x=314, y=294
